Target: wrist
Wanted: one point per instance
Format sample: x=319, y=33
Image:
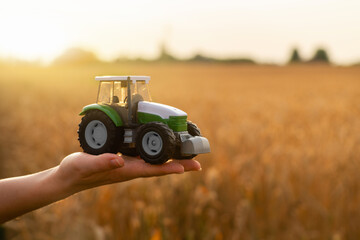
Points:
x=62, y=186
x=68, y=180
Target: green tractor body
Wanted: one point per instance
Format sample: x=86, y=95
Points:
x=125, y=120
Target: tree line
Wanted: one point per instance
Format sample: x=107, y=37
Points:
x=81, y=56
x=320, y=56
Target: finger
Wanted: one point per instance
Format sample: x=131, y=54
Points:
x=189, y=164
x=148, y=170
x=103, y=162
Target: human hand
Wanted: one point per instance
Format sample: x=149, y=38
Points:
x=80, y=171
x=77, y=172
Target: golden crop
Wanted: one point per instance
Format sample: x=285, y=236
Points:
x=285, y=157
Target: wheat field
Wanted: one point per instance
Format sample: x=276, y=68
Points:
x=284, y=161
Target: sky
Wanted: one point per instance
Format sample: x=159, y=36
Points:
x=260, y=29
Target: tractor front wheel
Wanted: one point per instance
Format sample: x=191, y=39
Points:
x=155, y=143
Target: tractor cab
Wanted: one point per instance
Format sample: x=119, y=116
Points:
x=123, y=93
x=117, y=89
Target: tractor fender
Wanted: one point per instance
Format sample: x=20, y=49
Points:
x=109, y=111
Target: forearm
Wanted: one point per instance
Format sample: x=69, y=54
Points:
x=77, y=172
x=20, y=195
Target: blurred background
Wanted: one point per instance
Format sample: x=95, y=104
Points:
x=273, y=85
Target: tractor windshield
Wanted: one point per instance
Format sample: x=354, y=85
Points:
x=141, y=88
x=116, y=92
x=112, y=92
x=120, y=92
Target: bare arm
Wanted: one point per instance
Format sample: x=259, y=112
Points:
x=77, y=172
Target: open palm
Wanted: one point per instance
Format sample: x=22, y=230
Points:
x=82, y=171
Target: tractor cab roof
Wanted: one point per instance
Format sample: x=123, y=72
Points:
x=123, y=78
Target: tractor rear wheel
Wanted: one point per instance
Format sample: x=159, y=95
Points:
x=155, y=143
x=98, y=133
x=193, y=130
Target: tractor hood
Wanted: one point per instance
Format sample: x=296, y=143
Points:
x=162, y=110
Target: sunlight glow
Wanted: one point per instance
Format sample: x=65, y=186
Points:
x=260, y=29
x=30, y=36
x=42, y=41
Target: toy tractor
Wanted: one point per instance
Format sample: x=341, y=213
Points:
x=124, y=120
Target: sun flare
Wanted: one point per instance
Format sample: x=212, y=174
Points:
x=263, y=30
x=30, y=38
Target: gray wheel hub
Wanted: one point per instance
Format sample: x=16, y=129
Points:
x=152, y=143
x=95, y=134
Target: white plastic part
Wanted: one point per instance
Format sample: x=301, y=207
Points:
x=95, y=134
x=195, y=145
x=123, y=78
x=152, y=143
x=128, y=135
x=159, y=109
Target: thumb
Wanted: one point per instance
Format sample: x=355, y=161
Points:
x=104, y=162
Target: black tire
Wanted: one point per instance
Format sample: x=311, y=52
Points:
x=158, y=131
x=112, y=139
x=193, y=130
